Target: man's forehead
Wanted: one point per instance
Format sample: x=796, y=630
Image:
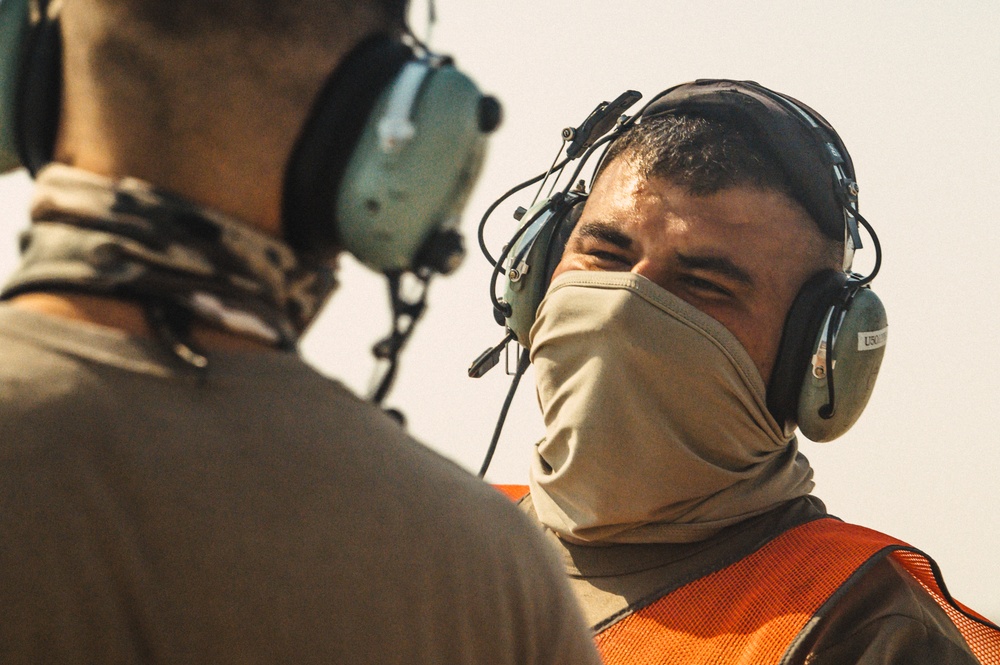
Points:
x=622, y=185
x=619, y=183
x=738, y=220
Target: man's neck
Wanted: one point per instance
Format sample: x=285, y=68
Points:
x=127, y=317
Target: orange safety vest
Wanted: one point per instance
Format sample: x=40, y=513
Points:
x=752, y=611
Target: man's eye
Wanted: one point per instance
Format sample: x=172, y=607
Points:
x=703, y=285
x=610, y=257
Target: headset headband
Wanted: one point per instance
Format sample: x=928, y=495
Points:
x=802, y=142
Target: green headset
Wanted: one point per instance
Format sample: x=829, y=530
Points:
x=382, y=168
x=835, y=332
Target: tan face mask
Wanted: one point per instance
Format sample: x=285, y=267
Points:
x=655, y=418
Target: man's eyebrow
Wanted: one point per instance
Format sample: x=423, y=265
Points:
x=717, y=264
x=606, y=232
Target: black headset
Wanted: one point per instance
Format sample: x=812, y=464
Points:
x=834, y=335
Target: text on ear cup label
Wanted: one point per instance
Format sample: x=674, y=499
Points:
x=869, y=341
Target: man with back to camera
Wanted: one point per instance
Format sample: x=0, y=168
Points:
x=681, y=340
x=178, y=486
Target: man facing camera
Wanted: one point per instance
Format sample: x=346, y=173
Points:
x=703, y=307
x=178, y=486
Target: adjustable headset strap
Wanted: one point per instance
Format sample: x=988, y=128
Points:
x=808, y=149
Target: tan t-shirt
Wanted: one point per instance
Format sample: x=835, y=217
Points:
x=263, y=515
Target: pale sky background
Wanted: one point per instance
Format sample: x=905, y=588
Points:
x=913, y=88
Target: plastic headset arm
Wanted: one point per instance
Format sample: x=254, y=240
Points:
x=598, y=123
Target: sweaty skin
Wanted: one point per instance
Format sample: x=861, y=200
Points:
x=740, y=255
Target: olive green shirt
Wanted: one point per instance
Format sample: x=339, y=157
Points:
x=261, y=515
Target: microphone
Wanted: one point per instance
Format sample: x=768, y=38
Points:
x=489, y=358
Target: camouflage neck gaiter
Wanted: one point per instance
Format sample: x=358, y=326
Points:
x=127, y=239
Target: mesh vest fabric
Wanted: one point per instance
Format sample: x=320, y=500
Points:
x=513, y=492
x=981, y=635
x=752, y=611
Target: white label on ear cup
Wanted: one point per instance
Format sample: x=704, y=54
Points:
x=869, y=341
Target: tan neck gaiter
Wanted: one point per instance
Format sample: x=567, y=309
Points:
x=655, y=418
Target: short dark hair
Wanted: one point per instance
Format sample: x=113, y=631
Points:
x=704, y=155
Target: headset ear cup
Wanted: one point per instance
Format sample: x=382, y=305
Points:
x=557, y=244
x=802, y=331
x=540, y=254
x=13, y=33
x=328, y=139
x=858, y=349
x=387, y=160
x=410, y=176
x=38, y=91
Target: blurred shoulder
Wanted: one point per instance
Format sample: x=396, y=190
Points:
x=883, y=615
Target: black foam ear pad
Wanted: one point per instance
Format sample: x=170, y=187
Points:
x=560, y=236
x=329, y=137
x=803, y=326
x=39, y=90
